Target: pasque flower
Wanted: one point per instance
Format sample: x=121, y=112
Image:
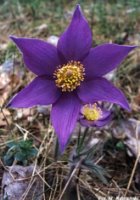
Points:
x=69, y=75
x=94, y=115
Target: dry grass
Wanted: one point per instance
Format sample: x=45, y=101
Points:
x=30, y=123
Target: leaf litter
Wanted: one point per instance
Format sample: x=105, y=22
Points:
x=120, y=148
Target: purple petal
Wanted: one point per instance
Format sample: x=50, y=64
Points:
x=105, y=114
x=75, y=42
x=103, y=122
x=64, y=116
x=104, y=58
x=98, y=123
x=39, y=92
x=100, y=89
x=105, y=119
x=39, y=56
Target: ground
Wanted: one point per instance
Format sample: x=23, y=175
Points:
x=112, y=21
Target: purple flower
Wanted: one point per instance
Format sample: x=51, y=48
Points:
x=69, y=75
x=94, y=115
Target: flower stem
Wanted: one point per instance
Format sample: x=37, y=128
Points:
x=57, y=150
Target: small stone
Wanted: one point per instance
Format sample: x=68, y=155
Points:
x=16, y=181
x=53, y=40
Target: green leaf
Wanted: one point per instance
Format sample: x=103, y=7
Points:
x=33, y=152
x=11, y=144
x=22, y=151
x=27, y=144
x=8, y=159
x=120, y=145
x=97, y=170
x=20, y=156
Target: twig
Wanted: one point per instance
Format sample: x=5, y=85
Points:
x=4, y=117
x=135, y=164
x=78, y=192
x=70, y=178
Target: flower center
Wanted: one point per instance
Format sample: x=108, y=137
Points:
x=69, y=76
x=91, y=112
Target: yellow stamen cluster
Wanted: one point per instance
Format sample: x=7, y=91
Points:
x=68, y=77
x=91, y=112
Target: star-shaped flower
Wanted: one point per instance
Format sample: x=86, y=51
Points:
x=69, y=75
x=94, y=115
